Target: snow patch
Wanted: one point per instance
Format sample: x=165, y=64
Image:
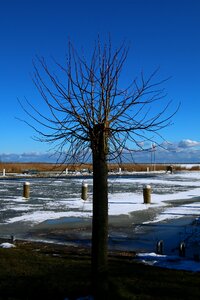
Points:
x=169, y=262
x=7, y=245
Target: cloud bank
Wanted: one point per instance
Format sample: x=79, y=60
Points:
x=184, y=151
x=27, y=157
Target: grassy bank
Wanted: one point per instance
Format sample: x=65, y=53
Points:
x=41, y=271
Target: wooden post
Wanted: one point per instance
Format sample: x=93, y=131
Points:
x=182, y=249
x=147, y=194
x=26, y=190
x=169, y=169
x=159, y=247
x=84, y=192
x=12, y=237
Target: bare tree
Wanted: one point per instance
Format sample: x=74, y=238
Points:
x=88, y=108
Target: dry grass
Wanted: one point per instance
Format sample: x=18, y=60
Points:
x=42, y=271
x=47, y=167
x=40, y=167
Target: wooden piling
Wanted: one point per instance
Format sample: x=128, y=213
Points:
x=182, y=249
x=147, y=194
x=26, y=190
x=159, y=247
x=12, y=238
x=84, y=191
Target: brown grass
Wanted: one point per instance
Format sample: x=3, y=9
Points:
x=48, y=167
x=45, y=271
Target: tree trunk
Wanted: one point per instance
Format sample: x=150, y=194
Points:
x=100, y=217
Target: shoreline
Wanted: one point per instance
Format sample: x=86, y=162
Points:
x=133, y=232
x=128, y=237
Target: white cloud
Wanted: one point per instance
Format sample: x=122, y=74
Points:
x=185, y=151
x=26, y=157
x=188, y=143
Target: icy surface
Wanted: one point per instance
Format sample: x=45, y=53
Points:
x=58, y=198
x=170, y=262
x=174, y=196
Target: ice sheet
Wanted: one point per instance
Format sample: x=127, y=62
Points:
x=61, y=198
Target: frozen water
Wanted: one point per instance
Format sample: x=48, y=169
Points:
x=173, y=196
x=171, y=262
x=56, y=198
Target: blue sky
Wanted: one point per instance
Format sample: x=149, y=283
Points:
x=161, y=33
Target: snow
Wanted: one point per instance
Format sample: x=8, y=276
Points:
x=125, y=197
x=178, y=212
x=170, y=262
x=55, y=199
x=7, y=245
x=40, y=216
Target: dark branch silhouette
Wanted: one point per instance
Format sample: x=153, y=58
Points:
x=88, y=108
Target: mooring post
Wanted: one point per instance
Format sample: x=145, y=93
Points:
x=4, y=172
x=147, y=194
x=12, y=237
x=169, y=169
x=159, y=247
x=182, y=249
x=84, y=191
x=26, y=190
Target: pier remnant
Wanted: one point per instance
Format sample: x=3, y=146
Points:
x=159, y=247
x=26, y=190
x=182, y=249
x=169, y=169
x=84, y=191
x=147, y=194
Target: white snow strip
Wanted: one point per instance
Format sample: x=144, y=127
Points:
x=170, y=262
x=41, y=216
x=7, y=245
